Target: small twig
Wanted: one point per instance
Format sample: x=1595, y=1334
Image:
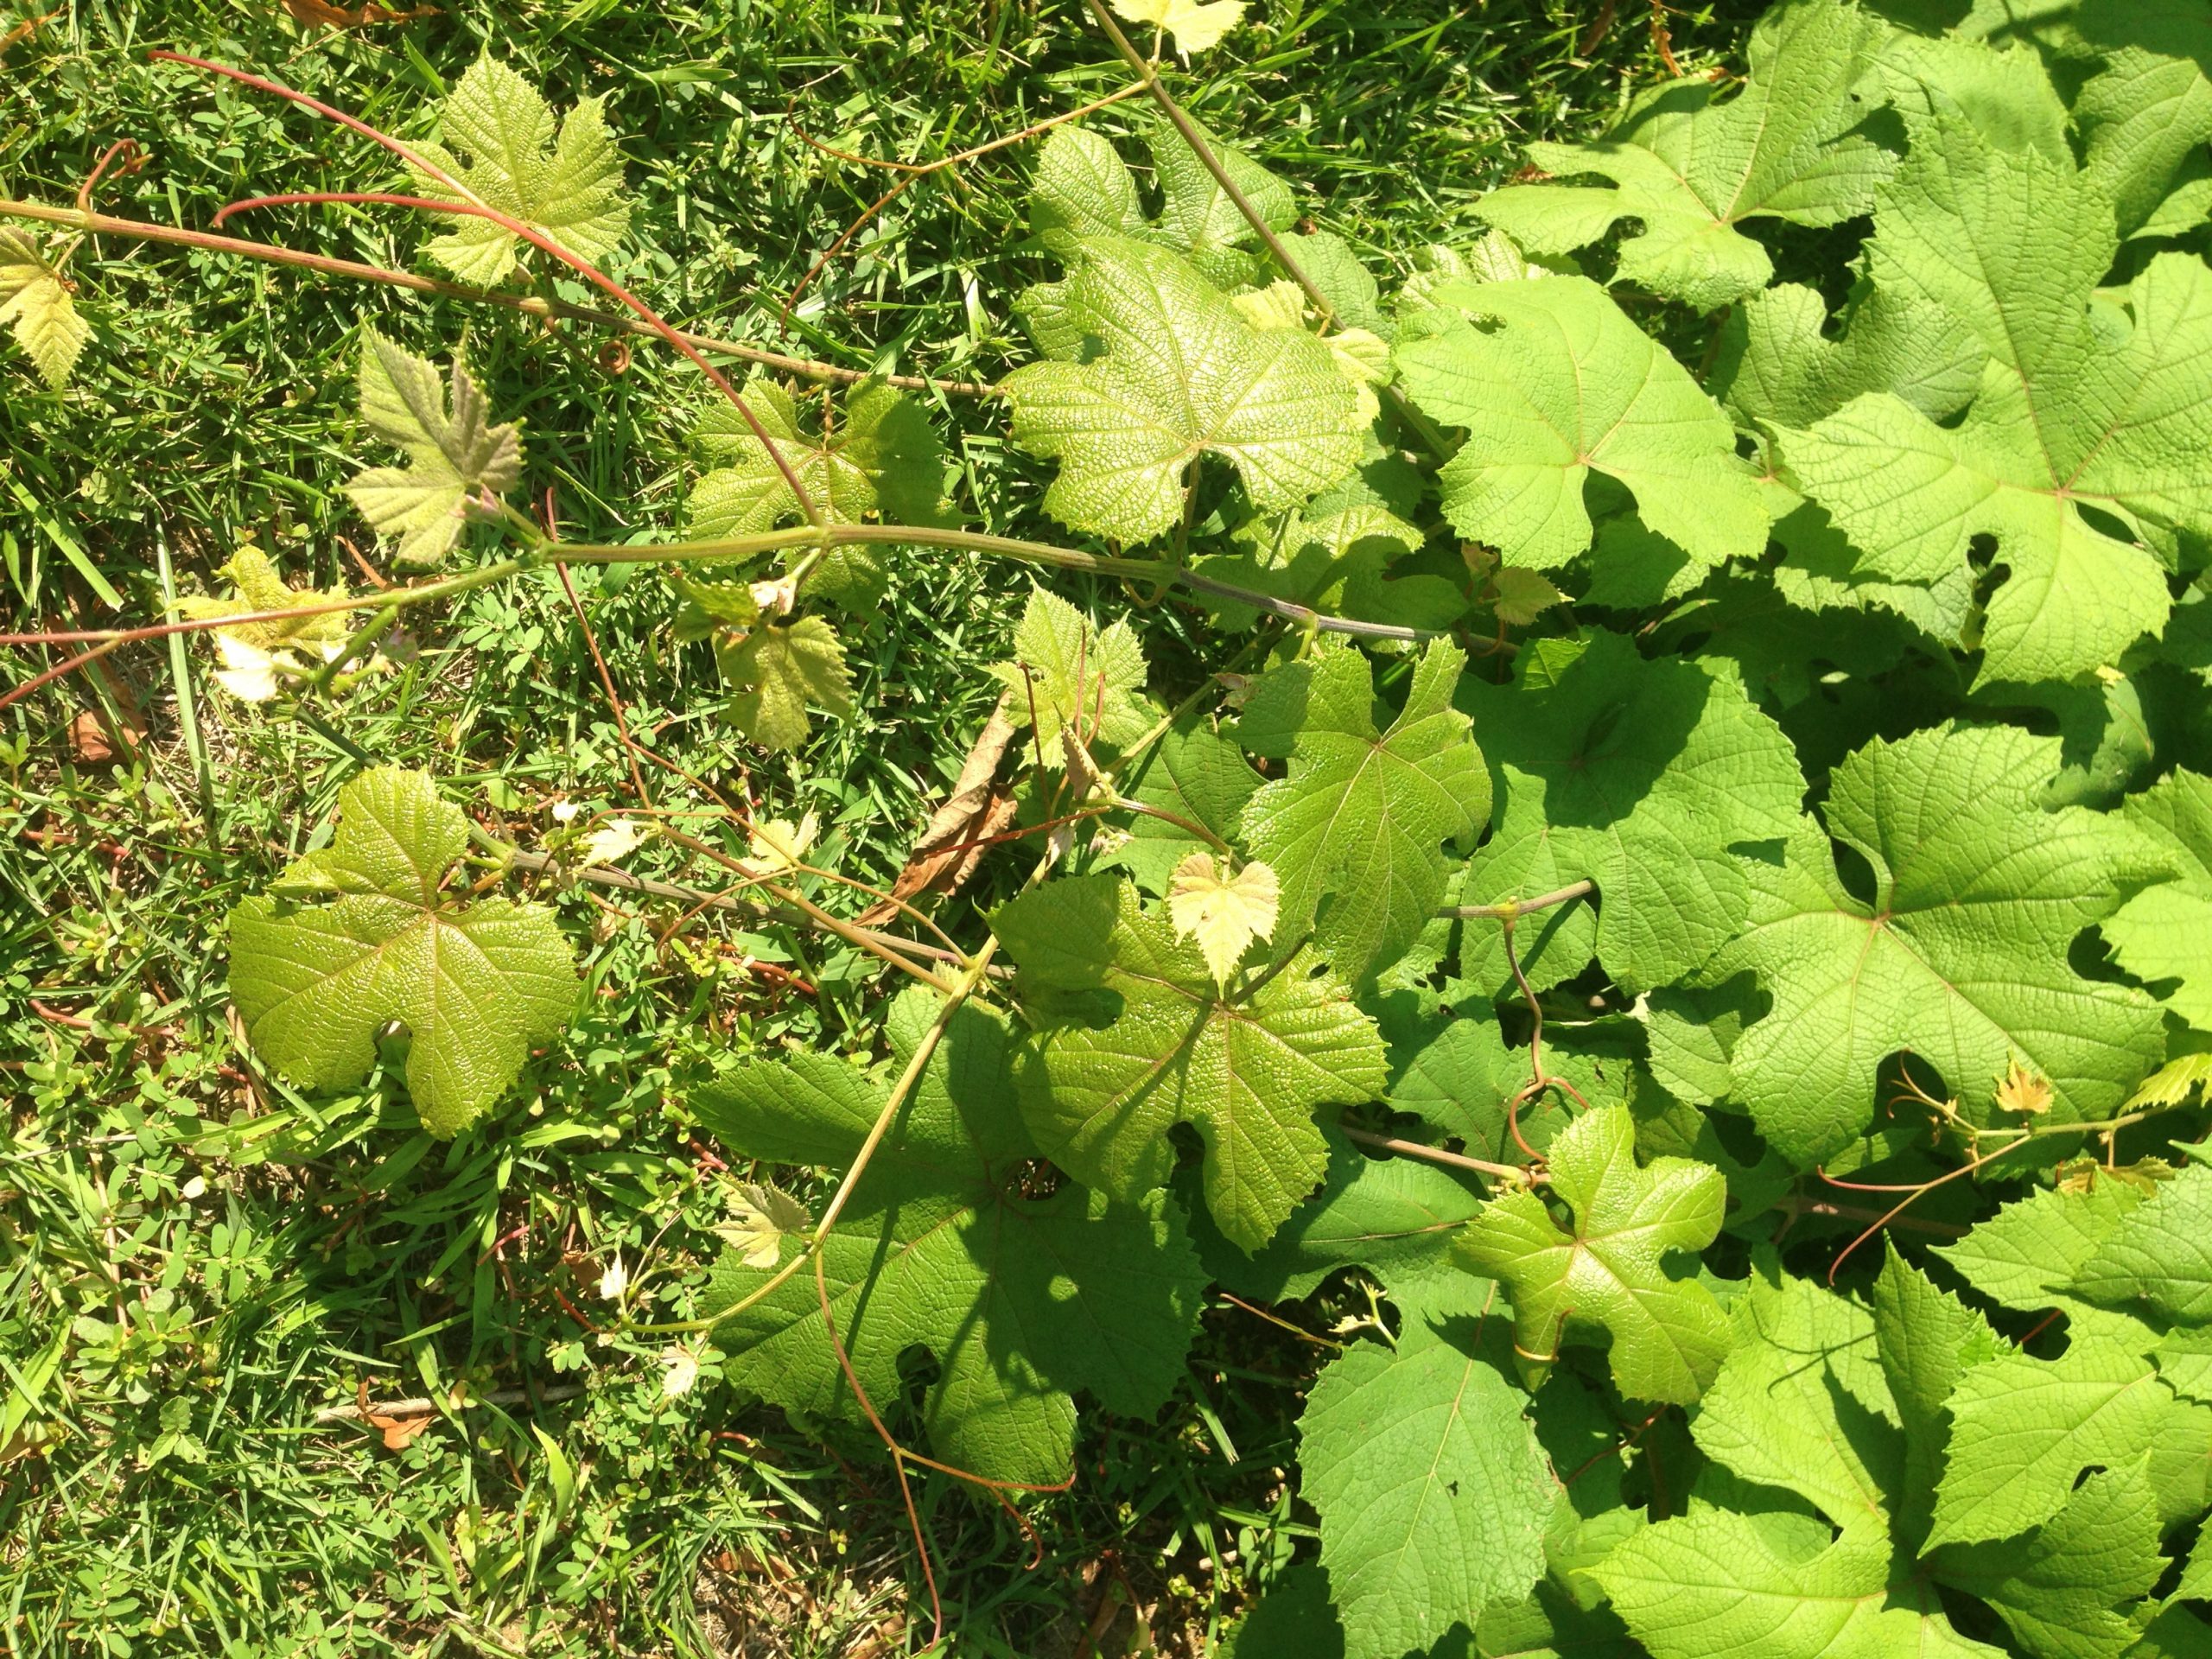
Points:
x=1390, y=1143
x=421, y=1405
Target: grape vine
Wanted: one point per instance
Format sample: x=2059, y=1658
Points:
x=1689, y=871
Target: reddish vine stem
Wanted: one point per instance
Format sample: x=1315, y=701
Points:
x=59, y=670
x=529, y=304
x=660, y=326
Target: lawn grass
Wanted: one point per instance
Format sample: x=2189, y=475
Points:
x=196, y=1259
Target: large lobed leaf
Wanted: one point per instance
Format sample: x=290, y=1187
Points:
x=372, y=935
x=1138, y=1037
x=1355, y=829
x=1691, y=166
x=1959, y=953
x=1173, y=372
x=1022, y=1301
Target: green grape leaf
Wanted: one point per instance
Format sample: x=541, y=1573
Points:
x=2025, y=1428
x=1333, y=561
x=1639, y=775
x=1082, y=189
x=1355, y=830
x=1668, y=1334
x=880, y=461
x=2076, y=408
x=40, y=309
x=1292, y=1620
x=1559, y=383
x=1023, y=1301
x=1195, y=25
x=2164, y=933
x=1247, y=1066
x=1778, y=366
x=1692, y=168
x=775, y=672
x=1800, y=1415
x=1199, y=777
x=2158, y=1258
x=2061, y=1589
x=2025, y=1256
x=497, y=130
x=1394, y=1217
x=1178, y=373
x=1067, y=675
x=476, y=983
x=1925, y=1340
x=1432, y=1492
x=1959, y=956
x=2145, y=114
x=452, y=458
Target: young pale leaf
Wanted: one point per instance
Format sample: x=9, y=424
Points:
x=1432, y=1490
x=475, y=984
x=1178, y=374
x=39, y=309
x=1799, y=1406
x=452, y=458
x=254, y=654
x=1960, y=958
x=1555, y=382
x=1195, y=25
x=2076, y=408
x=2062, y=1588
x=762, y=1218
x=2164, y=933
x=881, y=461
x=1023, y=1301
x=1691, y=168
x=777, y=671
x=497, y=130
x=1247, y=1070
x=1224, y=913
x=1640, y=775
x=1668, y=1334
x=1069, y=676
x=2023, y=1429
x=1357, y=826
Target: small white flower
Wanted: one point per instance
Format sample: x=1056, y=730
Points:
x=682, y=1374
x=565, y=811
x=614, y=1281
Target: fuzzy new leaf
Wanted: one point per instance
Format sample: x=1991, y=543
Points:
x=475, y=984
x=779, y=669
x=1195, y=25
x=1611, y=1271
x=38, y=307
x=453, y=456
x=497, y=130
x=1224, y=913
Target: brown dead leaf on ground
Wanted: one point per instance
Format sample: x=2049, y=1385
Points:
x=953, y=842
x=322, y=14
